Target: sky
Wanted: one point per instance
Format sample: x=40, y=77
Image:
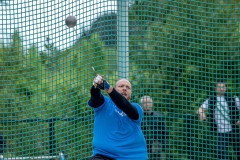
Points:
x=37, y=19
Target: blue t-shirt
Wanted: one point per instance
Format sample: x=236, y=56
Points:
x=116, y=135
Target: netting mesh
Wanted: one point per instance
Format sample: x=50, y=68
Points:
x=171, y=50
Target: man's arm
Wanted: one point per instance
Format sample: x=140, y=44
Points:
x=202, y=115
x=97, y=98
x=122, y=103
x=237, y=102
x=238, y=107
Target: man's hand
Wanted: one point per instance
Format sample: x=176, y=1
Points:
x=97, y=80
x=203, y=117
x=100, y=83
x=238, y=123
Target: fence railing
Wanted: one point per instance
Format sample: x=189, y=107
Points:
x=51, y=136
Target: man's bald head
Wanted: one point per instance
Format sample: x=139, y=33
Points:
x=123, y=80
x=124, y=87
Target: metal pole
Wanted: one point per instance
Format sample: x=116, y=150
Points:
x=122, y=39
x=52, y=140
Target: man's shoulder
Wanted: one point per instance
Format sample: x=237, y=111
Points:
x=211, y=98
x=157, y=113
x=136, y=104
x=139, y=108
x=231, y=98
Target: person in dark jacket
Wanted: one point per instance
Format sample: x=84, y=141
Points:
x=223, y=116
x=154, y=129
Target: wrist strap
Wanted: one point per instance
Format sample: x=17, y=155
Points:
x=106, y=85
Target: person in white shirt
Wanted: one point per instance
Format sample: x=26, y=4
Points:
x=223, y=115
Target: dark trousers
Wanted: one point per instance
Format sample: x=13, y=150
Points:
x=224, y=139
x=100, y=157
x=154, y=150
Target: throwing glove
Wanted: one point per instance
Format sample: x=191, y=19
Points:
x=100, y=83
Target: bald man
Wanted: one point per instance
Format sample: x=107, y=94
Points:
x=154, y=129
x=117, y=121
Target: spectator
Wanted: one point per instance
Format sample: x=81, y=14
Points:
x=154, y=129
x=223, y=116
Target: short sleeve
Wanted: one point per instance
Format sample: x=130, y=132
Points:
x=205, y=104
x=237, y=102
x=140, y=112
